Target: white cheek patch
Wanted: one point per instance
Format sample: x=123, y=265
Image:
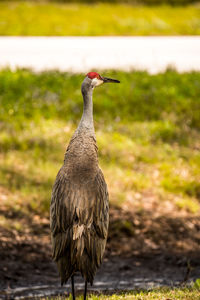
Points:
x=96, y=82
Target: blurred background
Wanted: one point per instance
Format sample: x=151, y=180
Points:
x=147, y=132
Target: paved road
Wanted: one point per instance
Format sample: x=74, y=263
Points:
x=80, y=54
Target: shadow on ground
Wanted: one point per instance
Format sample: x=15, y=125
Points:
x=142, y=249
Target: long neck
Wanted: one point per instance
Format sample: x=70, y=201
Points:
x=87, y=116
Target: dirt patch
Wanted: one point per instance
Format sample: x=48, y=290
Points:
x=140, y=246
x=139, y=233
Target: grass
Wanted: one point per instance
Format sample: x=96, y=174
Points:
x=148, y=135
x=147, y=131
x=155, y=294
x=50, y=19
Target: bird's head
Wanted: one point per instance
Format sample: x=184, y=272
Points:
x=95, y=79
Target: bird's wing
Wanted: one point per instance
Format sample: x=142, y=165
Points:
x=75, y=208
x=101, y=206
x=99, y=231
x=61, y=216
x=79, y=218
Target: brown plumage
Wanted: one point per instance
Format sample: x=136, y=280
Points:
x=79, y=212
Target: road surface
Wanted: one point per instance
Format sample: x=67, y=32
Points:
x=82, y=54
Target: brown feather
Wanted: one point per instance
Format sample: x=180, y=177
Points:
x=79, y=210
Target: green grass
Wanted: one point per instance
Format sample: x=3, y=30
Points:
x=50, y=19
x=147, y=131
x=155, y=294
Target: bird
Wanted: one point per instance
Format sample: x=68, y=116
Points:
x=79, y=209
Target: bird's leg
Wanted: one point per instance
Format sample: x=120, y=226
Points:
x=73, y=293
x=85, y=291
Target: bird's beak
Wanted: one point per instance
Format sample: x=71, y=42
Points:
x=105, y=80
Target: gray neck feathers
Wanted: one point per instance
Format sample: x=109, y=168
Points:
x=87, y=116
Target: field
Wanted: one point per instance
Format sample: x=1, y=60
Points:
x=147, y=130
x=51, y=19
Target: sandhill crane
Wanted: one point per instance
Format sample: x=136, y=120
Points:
x=79, y=212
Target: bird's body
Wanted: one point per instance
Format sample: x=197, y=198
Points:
x=79, y=213
x=79, y=210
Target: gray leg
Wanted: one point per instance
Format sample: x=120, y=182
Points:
x=85, y=292
x=73, y=293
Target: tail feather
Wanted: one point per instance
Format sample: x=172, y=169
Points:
x=84, y=253
x=65, y=268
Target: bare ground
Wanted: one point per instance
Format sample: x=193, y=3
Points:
x=144, y=249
